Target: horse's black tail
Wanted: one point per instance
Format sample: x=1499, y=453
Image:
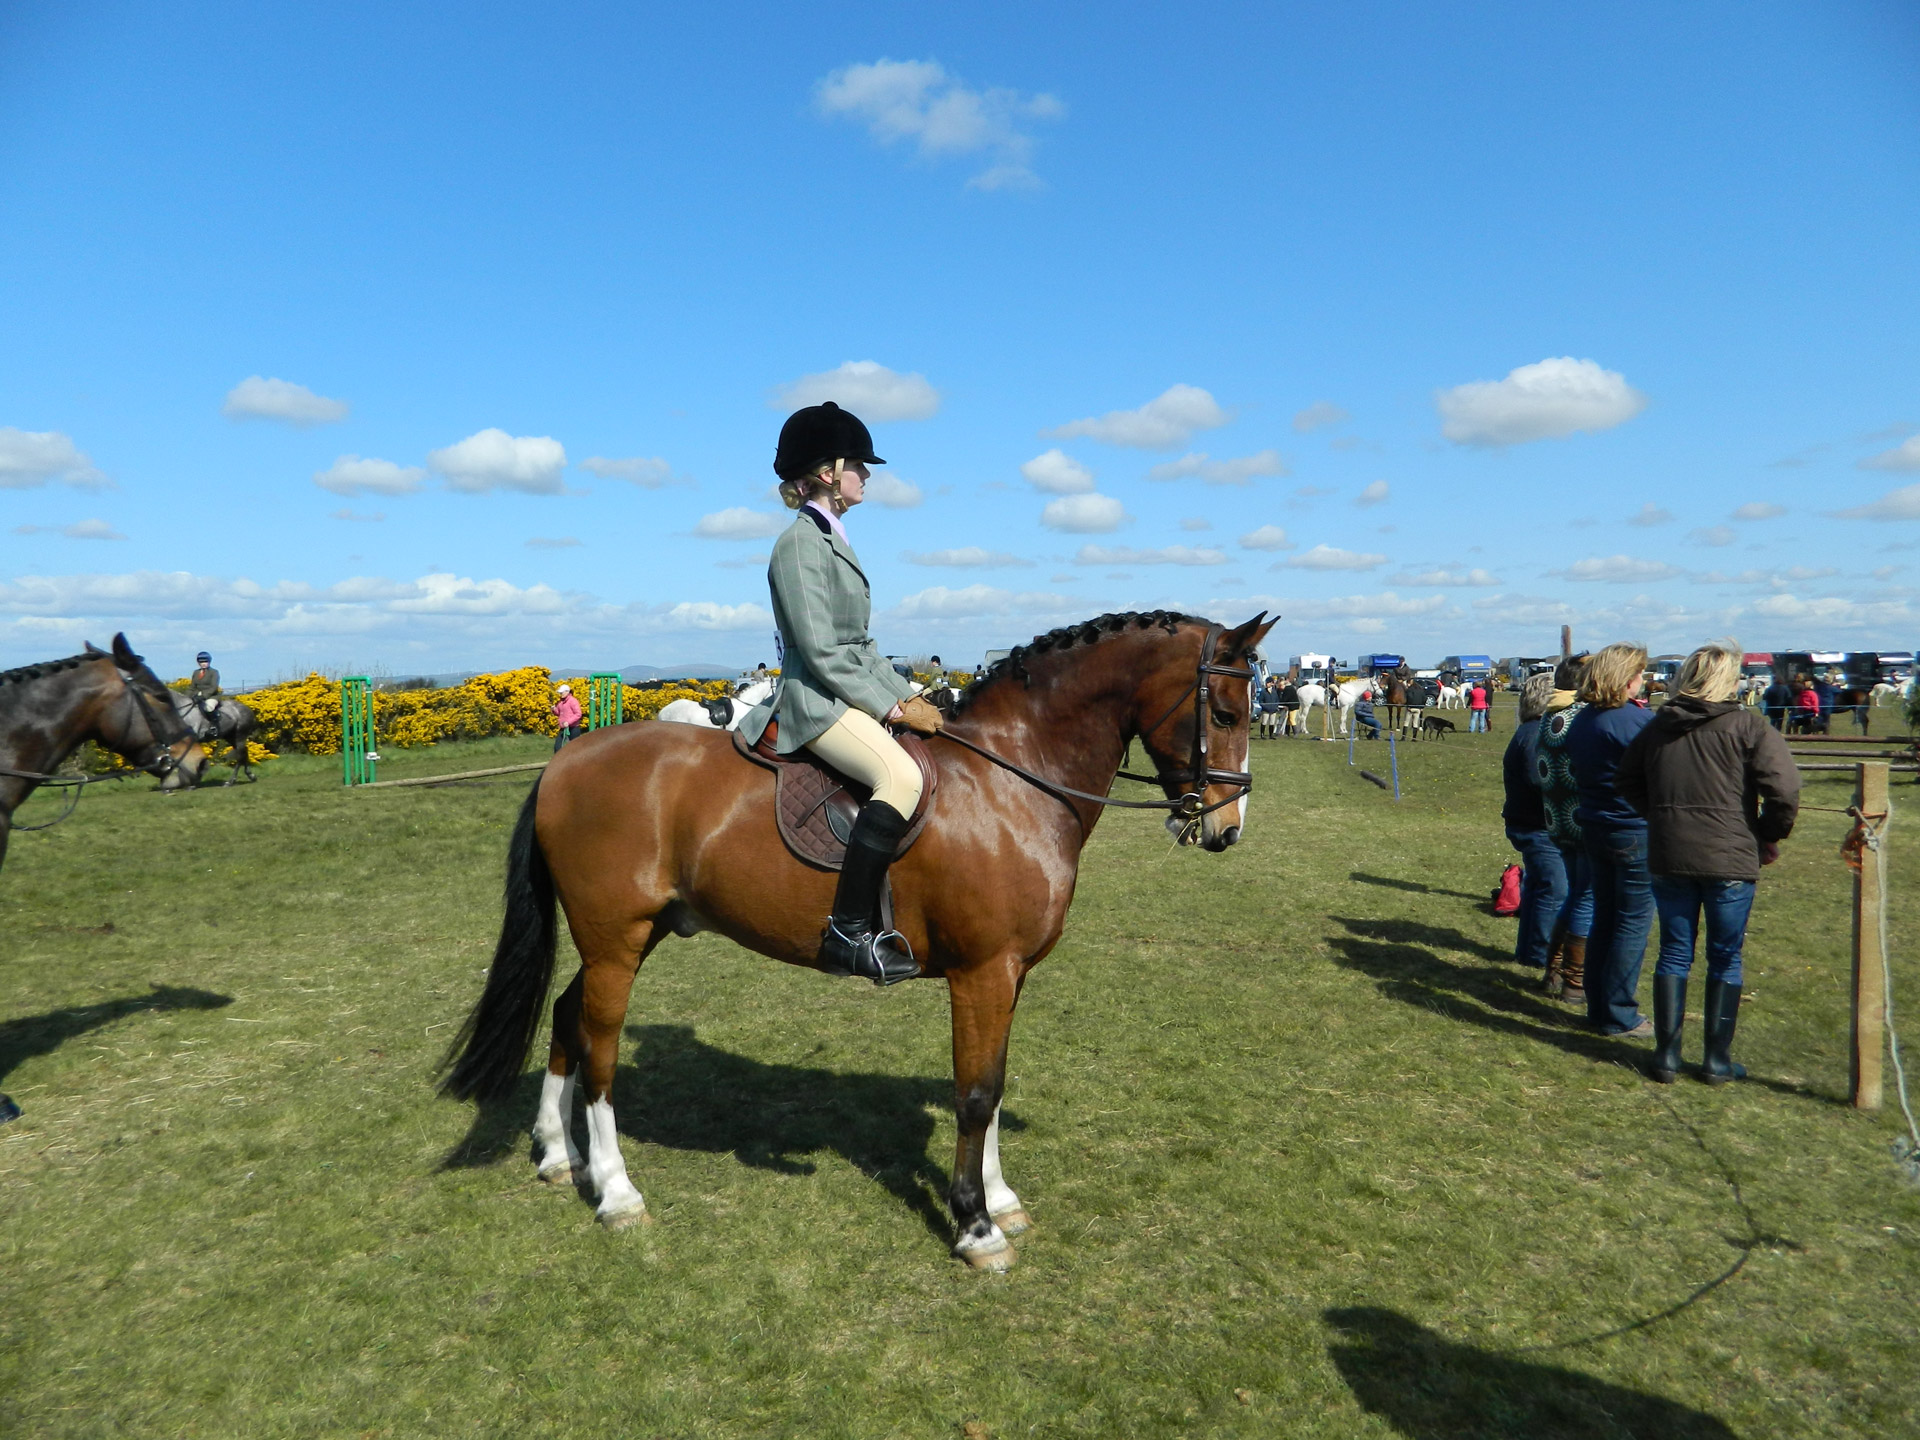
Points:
x=487, y=1055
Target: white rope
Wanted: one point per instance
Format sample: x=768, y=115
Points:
x=1875, y=835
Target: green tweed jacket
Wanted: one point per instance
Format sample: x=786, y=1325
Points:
x=822, y=604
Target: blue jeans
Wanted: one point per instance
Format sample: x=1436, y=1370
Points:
x=1543, y=892
x=1681, y=899
x=1576, y=911
x=1476, y=721
x=1622, y=916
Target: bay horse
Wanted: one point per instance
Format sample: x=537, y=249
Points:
x=646, y=831
x=109, y=696
x=232, y=721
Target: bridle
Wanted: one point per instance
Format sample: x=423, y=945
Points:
x=1198, y=775
x=161, y=766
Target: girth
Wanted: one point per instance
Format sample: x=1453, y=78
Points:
x=815, y=805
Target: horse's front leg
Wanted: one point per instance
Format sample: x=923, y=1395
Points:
x=982, y=998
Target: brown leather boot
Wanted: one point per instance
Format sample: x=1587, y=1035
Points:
x=1573, y=971
x=1555, y=982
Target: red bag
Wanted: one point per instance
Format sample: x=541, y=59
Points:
x=1506, y=900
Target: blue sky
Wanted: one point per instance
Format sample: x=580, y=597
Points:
x=1431, y=327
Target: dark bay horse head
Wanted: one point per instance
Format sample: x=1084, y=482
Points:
x=107, y=696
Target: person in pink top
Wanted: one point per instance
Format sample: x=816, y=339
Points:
x=1477, y=708
x=567, y=711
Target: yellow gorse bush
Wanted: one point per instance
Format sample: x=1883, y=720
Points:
x=306, y=713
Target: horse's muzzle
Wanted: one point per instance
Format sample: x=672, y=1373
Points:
x=1221, y=839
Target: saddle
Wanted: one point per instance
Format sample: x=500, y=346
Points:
x=815, y=805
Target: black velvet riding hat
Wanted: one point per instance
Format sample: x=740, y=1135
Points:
x=820, y=433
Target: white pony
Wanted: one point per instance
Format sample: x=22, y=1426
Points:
x=1886, y=690
x=1453, y=697
x=1311, y=694
x=722, y=714
x=1344, y=699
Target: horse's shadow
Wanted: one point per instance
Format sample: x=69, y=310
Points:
x=35, y=1035
x=1397, y=954
x=681, y=1093
x=1419, y=887
x=1430, y=1388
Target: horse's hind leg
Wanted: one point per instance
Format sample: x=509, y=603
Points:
x=556, y=1158
x=606, y=979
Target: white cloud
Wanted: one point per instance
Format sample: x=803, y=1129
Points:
x=1195, y=522
x=1542, y=401
x=867, y=388
x=1221, y=472
x=1714, y=535
x=1650, y=514
x=1759, y=510
x=1167, y=420
x=494, y=460
x=1317, y=416
x=558, y=542
x=1904, y=456
x=1365, y=613
x=257, y=398
x=30, y=458
x=1457, y=577
x=1084, y=514
x=1165, y=555
x=1058, y=473
x=1374, y=494
x=707, y=615
x=79, y=530
x=1267, y=537
x=1331, y=557
x=739, y=523
x=648, y=472
x=966, y=557
x=893, y=492
x=1619, y=570
x=351, y=475
x=919, y=102
x=1767, y=579
x=938, y=602
x=1901, y=504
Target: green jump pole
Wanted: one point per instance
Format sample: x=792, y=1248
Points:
x=358, y=752
x=606, y=699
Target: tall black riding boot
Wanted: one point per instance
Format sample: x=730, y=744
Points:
x=1669, y=1019
x=853, y=944
x=1723, y=1016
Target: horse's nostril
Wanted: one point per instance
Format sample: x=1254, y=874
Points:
x=1231, y=837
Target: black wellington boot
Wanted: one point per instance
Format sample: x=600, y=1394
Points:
x=851, y=944
x=1669, y=1019
x=1723, y=1017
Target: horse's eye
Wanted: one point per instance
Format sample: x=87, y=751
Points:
x=1223, y=719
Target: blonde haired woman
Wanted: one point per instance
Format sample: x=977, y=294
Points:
x=837, y=692
x=1615, y=835
x=1719, y=789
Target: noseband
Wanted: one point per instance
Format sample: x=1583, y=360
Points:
x=1198, y=774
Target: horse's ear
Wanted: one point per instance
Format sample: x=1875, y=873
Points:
x=1241, y=640
x=93, y=649
x=123, y=655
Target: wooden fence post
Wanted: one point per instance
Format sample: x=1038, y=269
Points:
x=1869, y=974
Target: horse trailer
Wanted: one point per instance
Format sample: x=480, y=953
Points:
x=1317, y=669
x=1467, y=667
x=1380, y=664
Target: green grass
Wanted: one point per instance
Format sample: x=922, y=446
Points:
x=1307, y=1156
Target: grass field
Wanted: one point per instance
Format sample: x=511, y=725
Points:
x=1307, y=1156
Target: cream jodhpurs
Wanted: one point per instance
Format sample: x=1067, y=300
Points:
x=859, y=746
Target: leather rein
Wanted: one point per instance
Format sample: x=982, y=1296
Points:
x=1199, y=774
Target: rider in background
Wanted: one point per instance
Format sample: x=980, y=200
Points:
x=837, y=692
x=204, y=686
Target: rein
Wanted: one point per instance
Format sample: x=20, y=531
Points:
x=161, y=766
x=1191, y=805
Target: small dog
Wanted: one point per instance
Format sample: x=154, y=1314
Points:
x=1436, y=726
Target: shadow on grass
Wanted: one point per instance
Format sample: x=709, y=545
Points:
x=1430, y=1388
x=36, y=1035
x=682, y=1093
x=1396, y=954
x=1417, y=887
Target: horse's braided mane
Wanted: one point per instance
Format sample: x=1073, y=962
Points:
x=43, y=668
x=1013, y=665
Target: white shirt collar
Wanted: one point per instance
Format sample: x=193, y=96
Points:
x=825, y=512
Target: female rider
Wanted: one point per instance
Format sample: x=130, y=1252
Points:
x=837, y=692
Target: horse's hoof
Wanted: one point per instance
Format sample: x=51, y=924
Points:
x=1013, y=1222
x=986, y=1252
x=561, y=1174
x=627, y=1219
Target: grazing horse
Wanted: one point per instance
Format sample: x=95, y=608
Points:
x=109, y=696
x=646, y=831
x=232, y=721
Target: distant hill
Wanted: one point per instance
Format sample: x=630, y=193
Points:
x=634, y=674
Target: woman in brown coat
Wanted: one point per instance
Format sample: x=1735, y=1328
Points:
x=1720, y=791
